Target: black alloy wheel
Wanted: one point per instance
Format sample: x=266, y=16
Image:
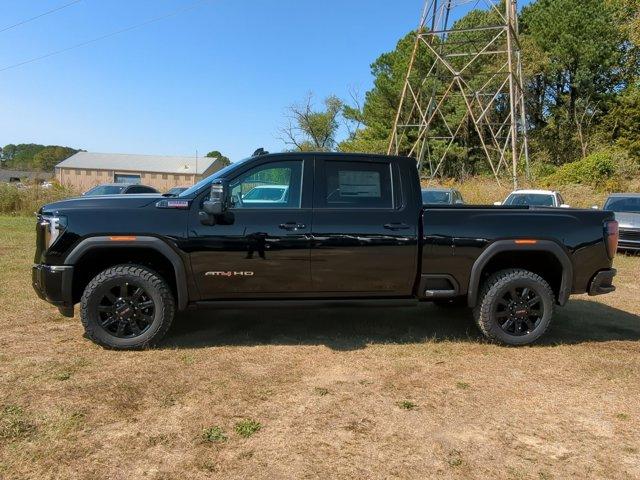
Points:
x=126, y=310
x=519, y=311
x=515, y=307
x=127, y=307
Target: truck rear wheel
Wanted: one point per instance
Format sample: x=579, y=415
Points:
x=515, y=307
x=127, y=307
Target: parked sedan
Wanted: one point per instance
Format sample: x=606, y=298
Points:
x=266, y=194
x=119, y=188
x=441, y=196
x=537, y=198
x=626, y=208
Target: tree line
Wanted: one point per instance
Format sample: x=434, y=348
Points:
x=581, y=61
x=32, y=156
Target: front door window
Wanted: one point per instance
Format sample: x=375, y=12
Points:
x=274, y=185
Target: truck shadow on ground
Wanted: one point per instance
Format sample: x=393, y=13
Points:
x=354, y=328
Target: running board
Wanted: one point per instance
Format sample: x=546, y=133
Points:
x=307, y=303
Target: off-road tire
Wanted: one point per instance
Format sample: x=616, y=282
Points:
x=492, y=291
x=153, y=284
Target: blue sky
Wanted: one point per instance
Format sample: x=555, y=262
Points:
x=219, y=76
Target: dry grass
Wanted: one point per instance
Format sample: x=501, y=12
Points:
x=385, y=393
x=484, y=190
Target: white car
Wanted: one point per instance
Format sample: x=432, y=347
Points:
x=266, y=194
x=537, y=198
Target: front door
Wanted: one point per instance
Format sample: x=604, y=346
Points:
x=265, y=249
x=364, y=229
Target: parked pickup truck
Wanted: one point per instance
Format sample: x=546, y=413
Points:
x=350, y=230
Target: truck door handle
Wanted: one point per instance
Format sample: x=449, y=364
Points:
x=292, y=226
x=396, y=226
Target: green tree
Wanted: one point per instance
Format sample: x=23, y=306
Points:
x=621, y=125
x=32, y=156
x=47, y=158
x=313, y=130
x=576, y=51
x=221, y=158
x=381, y=102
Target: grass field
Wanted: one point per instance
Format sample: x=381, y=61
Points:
x=380, y=393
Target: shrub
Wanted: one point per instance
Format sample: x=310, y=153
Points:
x=597, y=170
x=27, y=200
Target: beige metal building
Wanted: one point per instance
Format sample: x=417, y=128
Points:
x=87, y=169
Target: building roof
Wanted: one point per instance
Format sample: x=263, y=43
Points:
x=134, y=163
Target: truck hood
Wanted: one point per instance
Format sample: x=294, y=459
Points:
x=628, y=219
x=97, y=202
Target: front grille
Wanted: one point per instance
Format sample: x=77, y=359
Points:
x=630, y=235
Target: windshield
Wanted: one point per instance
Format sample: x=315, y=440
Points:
x=105, y=190
x=536, y=199
x=623, y=204
x=435, y=196
x=264, y=193
x=207, y=181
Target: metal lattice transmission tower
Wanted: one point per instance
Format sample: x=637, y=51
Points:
x=463, y=92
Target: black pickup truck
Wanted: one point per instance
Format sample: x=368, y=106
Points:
x=294, y=229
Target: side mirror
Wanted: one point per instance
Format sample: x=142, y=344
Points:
x=459, y=202
x=497, y=203
x=217, y=204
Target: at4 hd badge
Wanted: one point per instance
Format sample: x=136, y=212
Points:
x=229, y=274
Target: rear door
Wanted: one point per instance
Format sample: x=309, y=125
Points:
x=364, y=236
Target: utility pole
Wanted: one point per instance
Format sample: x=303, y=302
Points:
x=464, y=90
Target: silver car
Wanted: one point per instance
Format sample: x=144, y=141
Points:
x=626, y=207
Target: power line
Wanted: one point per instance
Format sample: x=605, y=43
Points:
x=190, y=6
x=38, y=16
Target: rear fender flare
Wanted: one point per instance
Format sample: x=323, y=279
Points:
x=139, y=242
x=501, y=246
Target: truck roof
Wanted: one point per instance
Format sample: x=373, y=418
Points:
x=374, y=156
x=541, y=192
x=624, y=195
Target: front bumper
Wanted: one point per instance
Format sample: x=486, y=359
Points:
x=52, y=283
x=629, y=239
x=602, y=282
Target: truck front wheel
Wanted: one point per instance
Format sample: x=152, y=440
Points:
x=127, y=307
x=515, y=307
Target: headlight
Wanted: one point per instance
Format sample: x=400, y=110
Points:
x=51, y=227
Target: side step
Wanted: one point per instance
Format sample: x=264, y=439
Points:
x=433, y=286
x=308, y=303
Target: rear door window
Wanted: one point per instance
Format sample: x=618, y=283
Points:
x=355, y=184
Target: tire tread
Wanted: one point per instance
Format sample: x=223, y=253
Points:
x=482, y=312
x=143, y=273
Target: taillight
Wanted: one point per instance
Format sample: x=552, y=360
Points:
x=611, y=234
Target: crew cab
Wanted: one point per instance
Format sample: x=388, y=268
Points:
x=350, y=230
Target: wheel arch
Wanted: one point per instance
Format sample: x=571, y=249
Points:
x=159, y=255
x=560, y=269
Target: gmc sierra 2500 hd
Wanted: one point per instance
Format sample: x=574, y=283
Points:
x=344, y=229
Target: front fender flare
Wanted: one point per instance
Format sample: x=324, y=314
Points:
x=139, y=242
x=501, y=246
